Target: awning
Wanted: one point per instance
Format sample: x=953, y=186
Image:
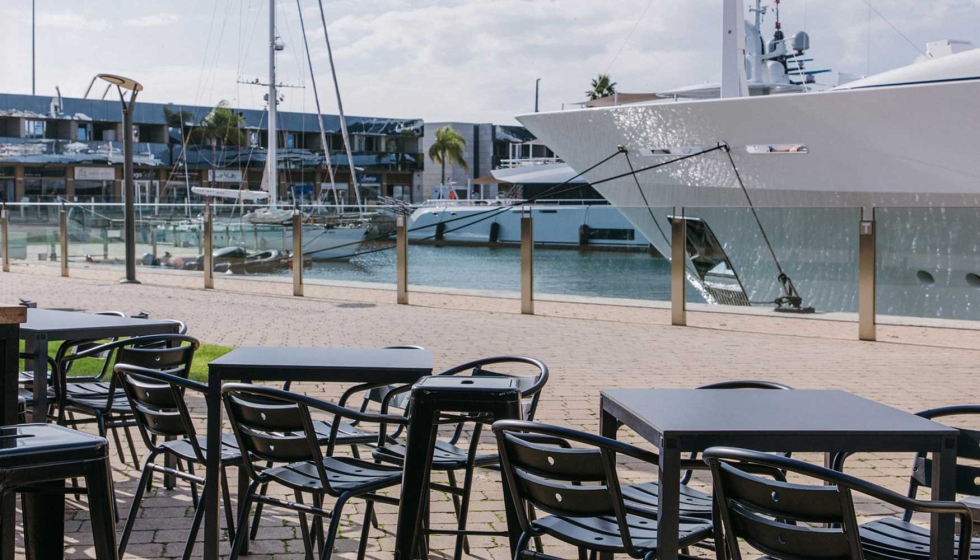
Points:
x=488, y=180
x=545, y=174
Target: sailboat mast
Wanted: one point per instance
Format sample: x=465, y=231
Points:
x=340, y=109
x=272, y=161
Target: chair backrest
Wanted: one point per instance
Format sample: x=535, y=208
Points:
x=775, y=517
x=272, y=425
x=157, y=399
x=543, y=470
x=967, y=447
x=531, y=384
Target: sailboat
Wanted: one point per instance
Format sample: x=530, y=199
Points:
x=324, y=238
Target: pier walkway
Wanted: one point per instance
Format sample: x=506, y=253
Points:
x=588, y=347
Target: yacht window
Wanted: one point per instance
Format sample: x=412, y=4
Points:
x=778, y=149
x=671, y=151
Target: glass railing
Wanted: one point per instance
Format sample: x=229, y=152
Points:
x=595, y=252
x=927, y=259
x=928, y=265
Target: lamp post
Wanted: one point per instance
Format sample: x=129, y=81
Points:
x=537, y=83
x=129, y=187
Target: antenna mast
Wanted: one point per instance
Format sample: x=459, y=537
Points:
x=272, y=159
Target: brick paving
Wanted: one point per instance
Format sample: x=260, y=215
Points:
x=588, y=347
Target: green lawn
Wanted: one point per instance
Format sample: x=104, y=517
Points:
x=199, y=371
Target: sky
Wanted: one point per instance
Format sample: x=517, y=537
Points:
x=439, y=60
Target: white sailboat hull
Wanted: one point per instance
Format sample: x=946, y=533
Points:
x=319, y=243
x=899, y=146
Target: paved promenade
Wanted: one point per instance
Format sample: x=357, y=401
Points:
x=588, y=347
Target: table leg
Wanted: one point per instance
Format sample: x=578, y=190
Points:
x=212, y=524
x=608, y=424
x=40, y=367
x=47, y=537
x=943, y=488
x=9, y=366
x=415, y=481
x=668, y=524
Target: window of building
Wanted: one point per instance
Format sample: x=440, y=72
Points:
x=84, y=132
x=34, y=129
x=290, y=141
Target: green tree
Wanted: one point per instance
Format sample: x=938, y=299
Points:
x=181, y=120
x=448, y=148
x=602, y=86
x=221, y=126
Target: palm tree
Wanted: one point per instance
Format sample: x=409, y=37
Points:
x=448, y=148
x=602, y=86
x=221, y=126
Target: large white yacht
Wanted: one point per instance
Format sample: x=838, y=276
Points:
x=809, y=159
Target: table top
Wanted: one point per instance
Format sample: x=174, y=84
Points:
x=758, y=414
x=361, y=365
x=72, y=325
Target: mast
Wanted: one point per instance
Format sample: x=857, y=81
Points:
x=272, y=162
x=340, y=109
x=733, y=50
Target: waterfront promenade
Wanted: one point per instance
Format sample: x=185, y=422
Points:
x=588, y=347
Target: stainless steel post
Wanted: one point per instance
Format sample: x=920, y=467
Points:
x=678, y=264
x=4, y=218
x=866, y=279
x=208, y=250
x=63, y=227
x=297, y=255
x=401, y=252
x=129, y=190
x=527, y=262
x=153, y=241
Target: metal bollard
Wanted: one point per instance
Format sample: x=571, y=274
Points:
x=297, y=255
x=153, y=241
x=866, y=280
x=63, y=226
x=678, y=264
x=105, y=243
x=208, y=254
x=527, y=262
x=401, y=252
x=4, y=218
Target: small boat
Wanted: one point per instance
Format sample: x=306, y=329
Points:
x=257, y=263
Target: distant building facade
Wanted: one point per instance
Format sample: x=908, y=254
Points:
x=71, y=149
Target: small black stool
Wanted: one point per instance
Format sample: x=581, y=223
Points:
x=35, y=460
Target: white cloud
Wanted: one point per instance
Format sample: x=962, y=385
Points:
x=70, y=20
x=153, y=20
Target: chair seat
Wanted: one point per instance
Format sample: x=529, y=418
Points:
x=345, y=475
x=893, y=538
x=445, y=456
x=27, y=377
x=92, y=403
x=230, y=453
x=602, y=534
x=92, y=389
x=346, y=433
x=694, y=503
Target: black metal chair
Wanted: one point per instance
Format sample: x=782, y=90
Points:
x=882, y=535
x=579, y=488
x=164, y=422
x=275, y=427
x=694, y=502
x=34, y=455
x=109, y=409
x=775, y=517
x=449, y=456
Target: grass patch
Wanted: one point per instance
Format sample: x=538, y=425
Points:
x=199, y=369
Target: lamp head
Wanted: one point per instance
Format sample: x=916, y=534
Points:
x=124, y=83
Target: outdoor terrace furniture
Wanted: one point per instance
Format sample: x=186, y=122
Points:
x=679, y=421
x=164, y=422
x=777, y=518
x=35, y=460
x=326, y=365
x=693, y=502
x=900, y=538
x=577, y=486
x=107, y=405
x=47, y=325
x=451, y=455
x=275, y=426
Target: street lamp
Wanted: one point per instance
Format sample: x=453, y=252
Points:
x=129, y=187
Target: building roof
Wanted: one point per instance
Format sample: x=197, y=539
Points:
x=109, y=110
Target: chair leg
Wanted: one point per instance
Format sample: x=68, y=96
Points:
x=258, y=509
x=365, y=530
x=196, y=523
x=137, y=499
x=101, y=502
x=226, y=496
x=462, y=543
x=304, y=528
x=532, y=516
x=318, y=521
x=190, y=471
x=327, y=549
x=242, y=513
x=132, y=445
x=522, y=544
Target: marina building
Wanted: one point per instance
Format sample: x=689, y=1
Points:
x=54, y=148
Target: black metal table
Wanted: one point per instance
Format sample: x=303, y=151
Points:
x=44, y=325
x=683, y=420
x=330, y=365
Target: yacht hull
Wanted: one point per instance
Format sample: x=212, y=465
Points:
x=811, y=163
